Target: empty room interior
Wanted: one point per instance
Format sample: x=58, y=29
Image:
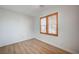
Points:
x=39, y=29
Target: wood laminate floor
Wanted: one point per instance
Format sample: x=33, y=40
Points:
x=32, y=46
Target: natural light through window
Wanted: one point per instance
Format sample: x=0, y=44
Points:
x=49, y=24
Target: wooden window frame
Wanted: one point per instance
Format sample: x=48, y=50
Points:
x=54, y=14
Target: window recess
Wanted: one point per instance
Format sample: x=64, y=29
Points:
x=49, y=24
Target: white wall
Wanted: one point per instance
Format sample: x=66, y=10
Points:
x=68, y=28
x=14, y=27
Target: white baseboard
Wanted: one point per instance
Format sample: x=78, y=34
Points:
x=68, y=50
x=13, y=42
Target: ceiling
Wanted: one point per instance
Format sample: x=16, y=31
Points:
x=31, y=10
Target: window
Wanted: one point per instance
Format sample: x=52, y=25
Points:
x=49, y=24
